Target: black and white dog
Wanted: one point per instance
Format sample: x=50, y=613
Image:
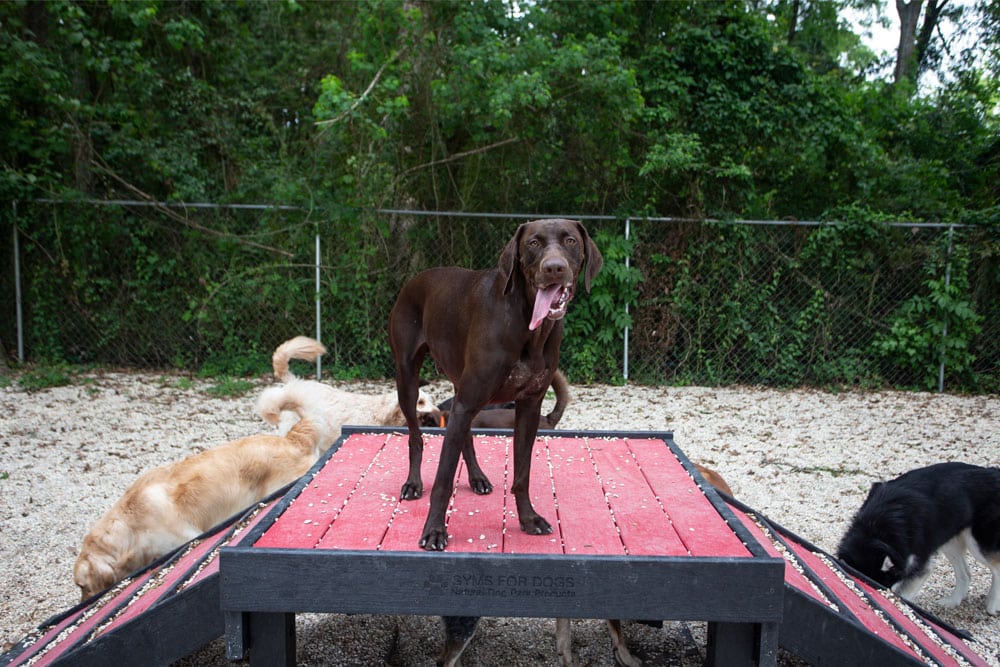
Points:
x=947, y=507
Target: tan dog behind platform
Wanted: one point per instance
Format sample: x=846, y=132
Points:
x=174, y=503
x=339, y=406
x=460, y=629
x=564, y=635
x=504, y=417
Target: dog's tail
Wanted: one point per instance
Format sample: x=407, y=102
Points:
x=300, y=347
x=297, y=397
x=561, y=387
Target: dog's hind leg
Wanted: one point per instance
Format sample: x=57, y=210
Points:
x=407, y=390
x=954, y=550
x=478, y=480
x=993, y=597
x=564, y=642
x=458, y=631
x=623, y=657
x=988, y=555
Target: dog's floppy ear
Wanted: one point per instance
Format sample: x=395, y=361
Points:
x=592, y=257
x=508, y=260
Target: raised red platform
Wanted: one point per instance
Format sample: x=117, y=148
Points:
x=637, y=535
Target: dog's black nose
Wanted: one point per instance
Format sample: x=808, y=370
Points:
x=554, y=269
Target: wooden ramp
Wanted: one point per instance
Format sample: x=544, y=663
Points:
x=838, y=617
x=155, y=616
x=625, y=503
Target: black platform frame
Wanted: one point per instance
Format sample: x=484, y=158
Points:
x=262, y=589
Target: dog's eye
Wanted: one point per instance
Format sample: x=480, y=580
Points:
x=570, y=240
x=534, y=243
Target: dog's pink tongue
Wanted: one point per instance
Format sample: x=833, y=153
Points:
x=543, y=303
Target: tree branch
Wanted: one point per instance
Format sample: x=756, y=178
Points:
x=181, y=219
x=368, y=90
x=456, y=156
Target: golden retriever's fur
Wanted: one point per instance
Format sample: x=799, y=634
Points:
x=339, y=406
x=174, y=503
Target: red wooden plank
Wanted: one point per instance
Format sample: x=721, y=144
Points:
x=307, y=518
x=959, y=644
x=584, y=515
x=365, y=516
x=102, y=610
x=407, y=521
x=919, y=631
x=696, y=521
x=793, y=577
x=540, y=487
x=48, y=637
x=475, y=522
x=211, y=564
x=642, y=523
x=851, y=599
x=165, y=581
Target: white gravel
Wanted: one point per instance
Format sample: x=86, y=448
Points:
x=803, y=458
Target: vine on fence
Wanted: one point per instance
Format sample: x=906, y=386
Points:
x=856, y=303
x=935, y=328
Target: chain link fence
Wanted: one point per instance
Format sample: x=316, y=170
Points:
x=214, y=289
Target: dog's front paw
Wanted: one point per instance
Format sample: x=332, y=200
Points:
x=434, y=539
x=481, y=485
x=950, y=601
x=411, y=490
x=536, y=525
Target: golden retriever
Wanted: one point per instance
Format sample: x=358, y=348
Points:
x=339, y=406
x=174, y=503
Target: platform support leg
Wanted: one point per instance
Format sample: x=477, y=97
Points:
x=237, y=635
x=272, y=639
x=768, y=635
x=742, y=644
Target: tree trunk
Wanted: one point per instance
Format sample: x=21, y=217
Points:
x=931, y=17
x=906, y=62
x=793, y=21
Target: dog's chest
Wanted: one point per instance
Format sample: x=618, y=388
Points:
x=525, y=380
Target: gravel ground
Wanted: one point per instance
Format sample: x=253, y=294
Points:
x=803, y=458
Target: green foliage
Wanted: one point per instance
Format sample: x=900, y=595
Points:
x=597, y=321
x=46, y=376
x=230, y=388
x=682, y=110
x=935, y=328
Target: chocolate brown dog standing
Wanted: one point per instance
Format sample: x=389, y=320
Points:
x=496, y=334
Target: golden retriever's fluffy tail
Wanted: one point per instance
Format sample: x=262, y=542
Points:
x=300, y=347
x=302, y=398
x=295, y=396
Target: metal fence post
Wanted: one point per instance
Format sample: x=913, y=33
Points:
x=319, y=331
x=17, y=289
x=628, y=222
x=944, y=331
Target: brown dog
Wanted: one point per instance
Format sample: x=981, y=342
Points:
x=175, y=503
x=496, y=334
x=504, y=417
